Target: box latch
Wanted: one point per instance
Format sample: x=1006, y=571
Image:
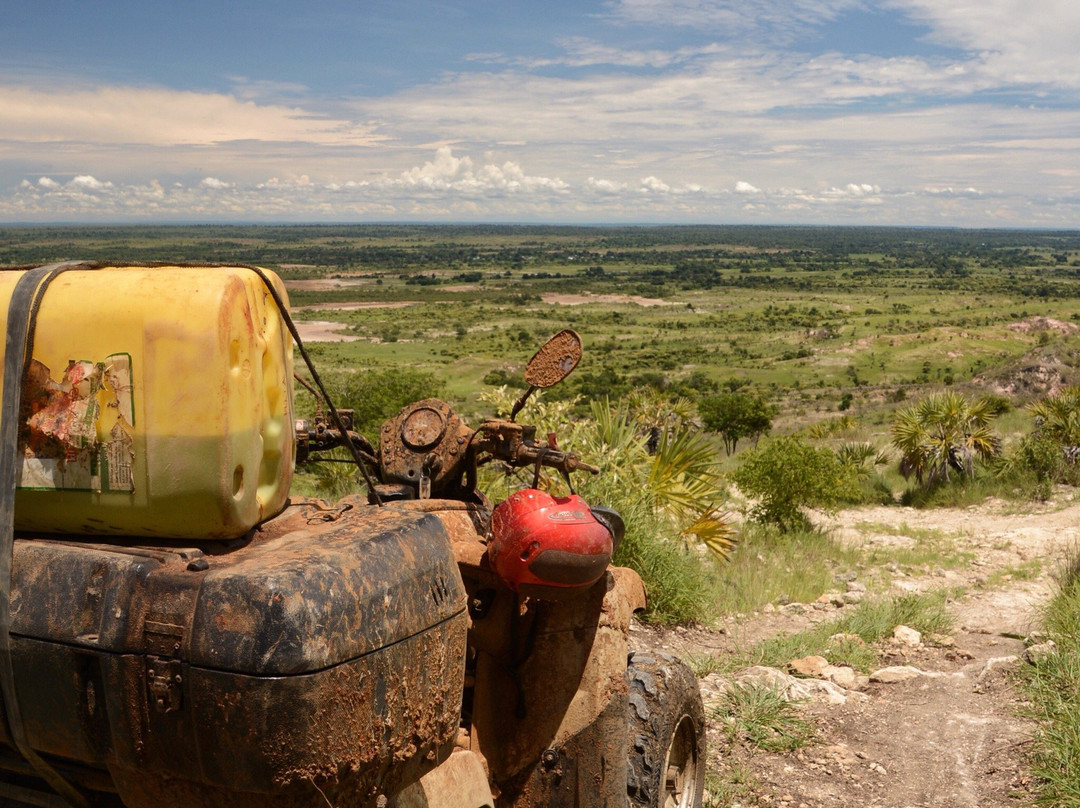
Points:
x=164, y=680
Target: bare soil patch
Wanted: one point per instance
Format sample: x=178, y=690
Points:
x=953, y=736
x=584, y=298
x=326, y=284
x=323, y=331
x=397, y=304
x=1037, y=324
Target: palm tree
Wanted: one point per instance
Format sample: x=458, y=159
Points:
x=679, y=480
x=860, y=459
x=944, y=433
x=1058, y=417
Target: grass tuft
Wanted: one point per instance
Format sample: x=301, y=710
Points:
x=768, y=566
x=870, y=621
x=760, y=717
x=1051, y=685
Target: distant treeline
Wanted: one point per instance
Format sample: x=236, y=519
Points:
x=406, y=247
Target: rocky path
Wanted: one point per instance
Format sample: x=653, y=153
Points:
x=950, y=733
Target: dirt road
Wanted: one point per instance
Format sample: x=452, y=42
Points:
x=953, y=734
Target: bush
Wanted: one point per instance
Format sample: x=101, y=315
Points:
x=786, y=475
x=677, y=580
x=374, y=395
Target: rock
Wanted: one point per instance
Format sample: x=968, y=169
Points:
x=808, y=666
x=794, y=689
x=854, y=639
x=714, y=688
x=762, y=675
x=1037, y=653
x=1002, y=664
x=895, y=674
x=840, y=675
x=907, y=636
x=818, y=690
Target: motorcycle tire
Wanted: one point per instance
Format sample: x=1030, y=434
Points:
x=666, y=740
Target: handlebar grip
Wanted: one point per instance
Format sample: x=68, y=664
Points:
x=573, y=464
x=563, y=461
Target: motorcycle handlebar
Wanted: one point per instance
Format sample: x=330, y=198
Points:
x=530, y=455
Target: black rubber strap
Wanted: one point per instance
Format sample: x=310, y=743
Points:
x=25, y=298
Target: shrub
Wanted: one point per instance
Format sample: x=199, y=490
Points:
x=786, y=475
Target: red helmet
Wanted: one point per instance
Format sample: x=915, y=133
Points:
x=546, y=546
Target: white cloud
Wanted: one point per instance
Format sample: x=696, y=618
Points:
x=585, y=52
x=447, y=172
x=605, y=186
x=853, y=190
x=1018, y=41
x=85, y=182
x=625, y=132
x=441, y=172
x=162, y=117
x=460, y=188
x=654, y=184
x=782, y=19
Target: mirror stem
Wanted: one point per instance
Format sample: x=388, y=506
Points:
x=521, y=402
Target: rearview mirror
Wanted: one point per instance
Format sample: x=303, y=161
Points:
x=555, y=360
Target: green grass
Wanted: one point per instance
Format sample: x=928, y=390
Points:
x=870, y=621
x=771, y=567
x=759, y=717
x=1052, y=685
x=733, y=783
x=930, y=549
x=1025, y=571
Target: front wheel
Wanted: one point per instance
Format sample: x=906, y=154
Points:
x=666, y=752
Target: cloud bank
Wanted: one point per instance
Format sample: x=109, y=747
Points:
x=685, y=110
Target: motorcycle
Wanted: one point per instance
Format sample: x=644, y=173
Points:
x=413, y=645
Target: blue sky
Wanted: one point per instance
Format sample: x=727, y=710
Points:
x=905, y=112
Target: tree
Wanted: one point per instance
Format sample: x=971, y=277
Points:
x=786, y=475
x=943, y=434
x=736, y=416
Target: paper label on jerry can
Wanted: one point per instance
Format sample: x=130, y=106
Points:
x=77, y=433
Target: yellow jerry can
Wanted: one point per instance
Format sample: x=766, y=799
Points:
x=156, y=401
